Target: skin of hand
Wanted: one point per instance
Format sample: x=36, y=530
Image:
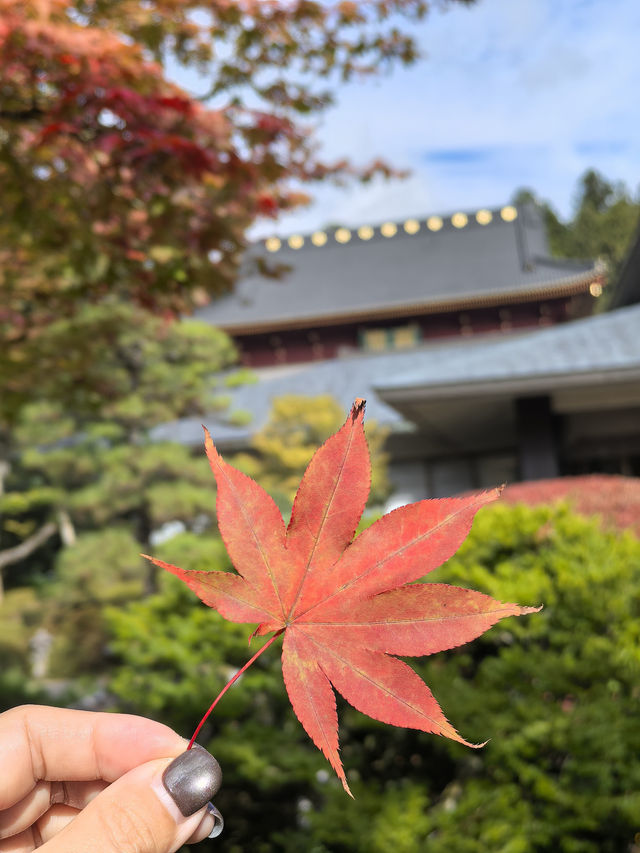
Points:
x=82, y=781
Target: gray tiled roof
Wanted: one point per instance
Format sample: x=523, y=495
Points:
x=474, y=264
x=601, y=346
x=345, y=379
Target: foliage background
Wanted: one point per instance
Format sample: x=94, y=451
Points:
x=606, y=216
x=555, y=693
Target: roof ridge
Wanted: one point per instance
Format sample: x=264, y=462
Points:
x=409, y=226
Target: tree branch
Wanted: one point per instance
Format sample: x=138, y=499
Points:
x=31, y=544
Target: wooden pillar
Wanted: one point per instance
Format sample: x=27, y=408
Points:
x=536, y=436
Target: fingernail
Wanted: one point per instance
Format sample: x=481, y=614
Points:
x=192, y=779
x=218, y=824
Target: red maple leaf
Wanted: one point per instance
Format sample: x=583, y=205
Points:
x=346, y=606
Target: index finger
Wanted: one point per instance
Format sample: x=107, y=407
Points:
x=57, y=744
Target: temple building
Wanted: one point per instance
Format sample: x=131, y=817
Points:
x=397, y=286
x=483, y=355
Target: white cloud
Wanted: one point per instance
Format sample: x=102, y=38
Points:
x=547, y=88
x=543, y=89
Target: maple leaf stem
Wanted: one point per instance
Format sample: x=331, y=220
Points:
x=230, y=683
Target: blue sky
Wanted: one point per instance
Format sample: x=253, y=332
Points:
x=510, y=93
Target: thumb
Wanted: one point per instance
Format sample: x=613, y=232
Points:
x=154, y=808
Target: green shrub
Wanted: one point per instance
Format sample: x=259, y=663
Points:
x=556, y=693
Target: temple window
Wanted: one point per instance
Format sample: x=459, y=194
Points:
x=397, y=337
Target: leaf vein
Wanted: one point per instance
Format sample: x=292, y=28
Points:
x=322, y=523
x=389, y=556
x=448, y=618
x=381, y=687
x=259, y=546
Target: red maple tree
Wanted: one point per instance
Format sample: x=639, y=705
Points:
x=118, y=185
x=117, y=181
x=614, y=498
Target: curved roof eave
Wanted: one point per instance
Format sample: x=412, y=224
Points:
x=557, y=288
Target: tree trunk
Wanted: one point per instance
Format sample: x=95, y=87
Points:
x=66, y=528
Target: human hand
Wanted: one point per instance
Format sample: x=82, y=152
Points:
x=85, y=782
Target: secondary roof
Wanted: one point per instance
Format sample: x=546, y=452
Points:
x=602, y=349
x=600, y=352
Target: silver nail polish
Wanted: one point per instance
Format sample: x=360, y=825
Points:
x=218, y=826
x=192, y=779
